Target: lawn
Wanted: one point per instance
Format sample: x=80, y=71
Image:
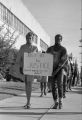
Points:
x=9, y=89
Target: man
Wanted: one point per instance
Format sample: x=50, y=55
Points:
x=29, y=48
x=59, y=57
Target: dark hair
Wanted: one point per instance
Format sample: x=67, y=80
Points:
x=58, y=37
x=29, y=34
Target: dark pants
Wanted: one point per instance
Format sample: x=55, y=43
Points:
x=57, y=85
x=69, y=82
x=43, y=86
x=49, y=83
x=74, y=79
x=64, y=84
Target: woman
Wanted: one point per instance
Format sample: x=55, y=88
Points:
x=29, y=48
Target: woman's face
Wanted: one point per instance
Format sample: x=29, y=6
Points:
x=29, y=40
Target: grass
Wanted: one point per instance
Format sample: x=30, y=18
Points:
x=9, y=89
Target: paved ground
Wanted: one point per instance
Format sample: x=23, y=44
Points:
x=41, y=107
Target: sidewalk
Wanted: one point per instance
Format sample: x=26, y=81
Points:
x=12, y=108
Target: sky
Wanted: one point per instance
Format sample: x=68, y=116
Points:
x=59, y=17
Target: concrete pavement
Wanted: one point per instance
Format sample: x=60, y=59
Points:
x=12, y=108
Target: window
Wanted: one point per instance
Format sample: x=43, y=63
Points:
x=8, y=17
x=20, y=25
x=43, y=44
x=4, y=13
x=35, y=40
x=1, y=11
x=15, y=23
x=26, y=30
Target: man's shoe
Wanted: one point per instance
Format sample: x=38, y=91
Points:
x=49, y=91
x=55, y=106
x=66, y=90
x=60, y=105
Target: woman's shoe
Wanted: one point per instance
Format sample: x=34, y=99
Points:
x=27, y=106
x=41, y=94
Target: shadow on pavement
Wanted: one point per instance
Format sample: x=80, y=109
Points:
x=21, y=95
x=20, y=108
x=41, y=113
x=12, y=88
x=8, y=93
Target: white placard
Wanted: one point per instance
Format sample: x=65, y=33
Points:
x=38, y=64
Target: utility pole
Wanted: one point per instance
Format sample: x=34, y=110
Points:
x=81, y=44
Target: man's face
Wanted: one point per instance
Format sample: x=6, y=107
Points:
x=29, y=40
x=58, y=41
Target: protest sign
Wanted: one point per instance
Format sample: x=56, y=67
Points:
x=38, y=64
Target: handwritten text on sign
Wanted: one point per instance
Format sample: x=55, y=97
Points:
x=38, y=64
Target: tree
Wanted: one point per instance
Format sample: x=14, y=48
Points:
x=7, y=42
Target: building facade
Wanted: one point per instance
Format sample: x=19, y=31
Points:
x=17, y=21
